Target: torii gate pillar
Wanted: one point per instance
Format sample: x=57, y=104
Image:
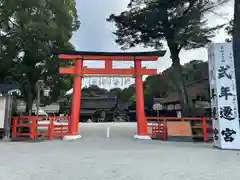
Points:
x=140, y=113
x=76, y=101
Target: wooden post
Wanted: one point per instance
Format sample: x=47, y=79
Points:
x=204, y=126
x=165, y=129
x=51, y=128
x=33, y=128
x=14, y=127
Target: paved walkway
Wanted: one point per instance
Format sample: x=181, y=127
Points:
x=120, y=158
x=116, y=130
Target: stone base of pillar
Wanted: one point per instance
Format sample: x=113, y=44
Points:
x=142, y=137
x=71, y=137
x=221, y=148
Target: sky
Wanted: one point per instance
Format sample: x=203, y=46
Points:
x=95, y=34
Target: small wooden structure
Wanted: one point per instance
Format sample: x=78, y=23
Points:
x=168, y=127
x=6, y=92
x=179, y=131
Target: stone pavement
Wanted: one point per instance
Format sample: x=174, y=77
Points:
x=116, y=158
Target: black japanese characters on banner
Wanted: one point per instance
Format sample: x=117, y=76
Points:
x=226, y=113
x=215, y=134
x=223, y=72
x=214, y=113
x=213, y=94
x=105, y=82
x=222, y=54
x=225, y=92
x=227, y=135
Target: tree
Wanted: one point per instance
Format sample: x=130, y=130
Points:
x=30, y=30
x=181, y=23
x=127, y=93
x=229, y=31
x=194, y=70
x=115, y=92
x=94, y=90
x=158, y=89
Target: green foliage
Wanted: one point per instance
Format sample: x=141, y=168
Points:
x=229, y=30
x=195, y=70
x=162, y=84
x=94, y=90
x=127, y=93
x=181, y=23
x=29, y=31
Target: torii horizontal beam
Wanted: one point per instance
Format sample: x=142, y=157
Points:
x=103, y=71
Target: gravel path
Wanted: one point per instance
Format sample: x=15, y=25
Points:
x=120, y=158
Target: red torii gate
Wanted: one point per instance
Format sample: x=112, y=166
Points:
x=79, y=71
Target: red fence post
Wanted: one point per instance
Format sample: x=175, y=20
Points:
x=61, y=128
x=154, y=130
x=165, y=129
x=204, y=126
x=33, y=128
x=68, y=120
x=14, y=127
x=50, y=129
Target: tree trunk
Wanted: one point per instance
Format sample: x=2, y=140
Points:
x=182, y=91
x=28, y=97
x=29, y=103
x=236, y=46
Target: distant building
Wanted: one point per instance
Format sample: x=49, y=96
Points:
x=97, y=107
x=51, y=108
x=198, y=92
x=9, y=89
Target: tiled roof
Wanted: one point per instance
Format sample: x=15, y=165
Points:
x=98, y=102
x=5, y=88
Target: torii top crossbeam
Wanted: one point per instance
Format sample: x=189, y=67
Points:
x=116, y=56
x=108, y=57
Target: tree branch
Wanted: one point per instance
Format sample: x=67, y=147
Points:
x=213, y=6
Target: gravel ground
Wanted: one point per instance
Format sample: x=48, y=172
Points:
x=119, y=157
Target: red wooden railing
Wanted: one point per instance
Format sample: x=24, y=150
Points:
x=159, y=125
x=34, y=123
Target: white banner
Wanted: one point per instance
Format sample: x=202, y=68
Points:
x=223, y=96
x=109, y=82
